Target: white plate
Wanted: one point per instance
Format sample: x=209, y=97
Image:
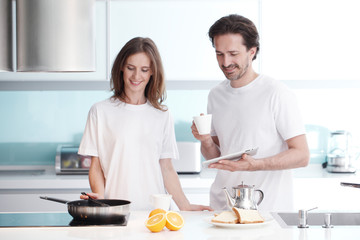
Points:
x=233, y=156
x=268, y=220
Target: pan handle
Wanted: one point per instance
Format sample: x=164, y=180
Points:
x=54, y=199
x=355, y=185
x=95, y=201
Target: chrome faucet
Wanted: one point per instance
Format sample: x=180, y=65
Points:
x=303, y=217
x=327, y=221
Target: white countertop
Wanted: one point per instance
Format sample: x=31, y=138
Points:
x=197, y=226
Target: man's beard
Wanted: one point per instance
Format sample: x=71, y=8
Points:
x=237, y=76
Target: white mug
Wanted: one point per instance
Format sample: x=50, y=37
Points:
x=162, y=201
x=203, y=123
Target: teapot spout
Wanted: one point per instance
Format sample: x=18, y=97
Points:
x=230, y=200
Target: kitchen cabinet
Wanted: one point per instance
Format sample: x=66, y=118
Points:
x=30, y=201
x=15, y=188
x=18, y=79
x=178, y=29
x=12, y=200
x=313, y=187
x=21, y=192
x=310, y=43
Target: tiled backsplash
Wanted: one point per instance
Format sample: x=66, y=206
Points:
x=33, y=123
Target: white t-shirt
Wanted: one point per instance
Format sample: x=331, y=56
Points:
x=129, y=141
x=262, y=114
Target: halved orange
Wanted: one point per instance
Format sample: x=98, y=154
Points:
x=174, y=221
x=156, y=211
x=156, y=223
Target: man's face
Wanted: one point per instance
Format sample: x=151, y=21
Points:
x=232, y=56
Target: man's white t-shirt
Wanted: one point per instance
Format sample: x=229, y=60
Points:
x=262, y=114
x=129, y=141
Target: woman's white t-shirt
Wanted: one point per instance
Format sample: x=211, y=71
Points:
x=262, y=114
x=129, y=141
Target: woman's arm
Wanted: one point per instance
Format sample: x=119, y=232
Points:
x=173, y=186
x=96, y=179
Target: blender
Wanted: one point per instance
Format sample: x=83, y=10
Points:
x=338, y=156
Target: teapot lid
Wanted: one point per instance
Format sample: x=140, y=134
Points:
x=242, y=185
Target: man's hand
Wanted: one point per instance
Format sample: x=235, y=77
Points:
x=297, y=155
x=245, y=163
x=201, y=138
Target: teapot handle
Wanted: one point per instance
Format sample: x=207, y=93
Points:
x=261, y=194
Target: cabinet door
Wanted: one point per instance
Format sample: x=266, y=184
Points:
x=180, y=30
x=98, y=75
x=30, y=201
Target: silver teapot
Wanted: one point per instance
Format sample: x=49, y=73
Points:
x=243, y=197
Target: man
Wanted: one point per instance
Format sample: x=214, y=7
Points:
x=251, y=110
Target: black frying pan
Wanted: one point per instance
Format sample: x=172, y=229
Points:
x=118, y=211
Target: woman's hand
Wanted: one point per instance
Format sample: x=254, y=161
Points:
x=195, y=207
x=92, y=195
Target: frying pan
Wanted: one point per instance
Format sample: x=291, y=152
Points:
x=117, y=212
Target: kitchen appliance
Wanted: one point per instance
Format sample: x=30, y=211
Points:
x=189, y=161
x=244, y=197
x=68, y=161
x=339, y=159
x=117, y=211
x=48, y=219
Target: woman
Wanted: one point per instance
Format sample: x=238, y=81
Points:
x=130, y=136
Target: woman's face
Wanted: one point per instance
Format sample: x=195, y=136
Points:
x=137, y=72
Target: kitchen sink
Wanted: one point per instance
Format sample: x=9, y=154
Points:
x=291, y=219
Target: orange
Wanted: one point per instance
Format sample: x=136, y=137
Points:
x=156, y=211
x=174, y=221
x=156, y=223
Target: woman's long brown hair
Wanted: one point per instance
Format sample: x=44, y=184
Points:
x=155, y=90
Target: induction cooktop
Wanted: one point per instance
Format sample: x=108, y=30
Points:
x=48, y=219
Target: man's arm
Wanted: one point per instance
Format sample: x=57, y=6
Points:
x=296, y=156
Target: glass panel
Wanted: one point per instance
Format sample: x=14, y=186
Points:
x=310, y=40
